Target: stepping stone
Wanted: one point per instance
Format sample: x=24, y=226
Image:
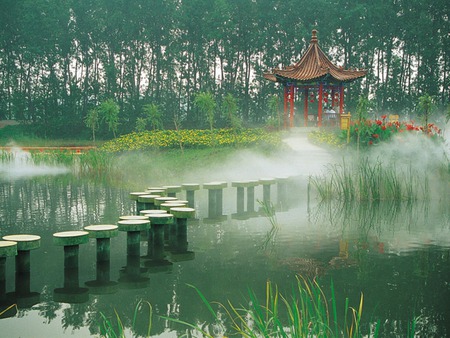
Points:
x=156, y=252
x=172, y=190
x=133, y=229
x=167, y=206
x=25, y=243
x=179, y=244
x=266, y=183
x=103, y=234
x=147, y=212
x=71, y=241
x=190, y=189
x=134, y=197
x=157, y=191
x=147, y=201
x=215, y=198
x=282, y=184
x=161, y=200
x=7, y=249
x=133, y=217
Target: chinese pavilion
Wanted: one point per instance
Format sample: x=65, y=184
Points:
x=317, y=78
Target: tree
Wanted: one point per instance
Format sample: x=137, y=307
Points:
x=425, y=106
x=229, y=107
x=205, y=102
x=153, y=116
x=109, y=111
x=92, y=121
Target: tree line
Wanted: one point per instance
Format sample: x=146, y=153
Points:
x=59, y=60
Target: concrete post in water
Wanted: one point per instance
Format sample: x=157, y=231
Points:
x=134, y=197
x=240, y=196
x=215, y=198
x=71, y=241
x=266, y=183
x=179, y=244
x=147, y=202
x=156, y=252
x=7, y=249
x=282, y=183
x=102, y=233
x=71, y=292
x=25, y=243
x=190, y=192
x=172, y=190
x=163, y=199
x=133, y=229
x=251, y=196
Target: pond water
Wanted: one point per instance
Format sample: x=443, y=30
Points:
x=398, y=256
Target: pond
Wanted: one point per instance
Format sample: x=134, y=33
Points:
x=396, y=255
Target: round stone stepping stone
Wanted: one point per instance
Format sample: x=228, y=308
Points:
x=147, y=212
x=183, y=212
x=177, y=202
x=149, y=198
x=161, y=200
x=133, y=225
x=8, y=248
x=172, y=190
x=71, y=241
x=67, y=238
x=24, y=242
x=169, y=206
x=102, y=230
x=134, y=195
x=215, y=185
x=190, y=186
x=267, y=181
x=133, y=217
x=157, y=191
x=161, y=219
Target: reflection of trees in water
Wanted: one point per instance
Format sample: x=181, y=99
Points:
x=45, y=201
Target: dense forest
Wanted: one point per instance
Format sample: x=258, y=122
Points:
x=60, y=59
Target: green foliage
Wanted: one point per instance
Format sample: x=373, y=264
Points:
x=367, y=133
x=305, y=312
x=110, y=330
x=207, y=105
x=153, y=116
x=92, y=121
x=229, y=107
x=425, y=107
x=192, y=138
x=109, y=112
x=366, y=180
x=275, y=118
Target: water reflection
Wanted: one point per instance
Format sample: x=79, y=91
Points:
x=396, y=254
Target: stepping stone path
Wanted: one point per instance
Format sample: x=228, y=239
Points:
x=25, y=243
x=71, y=241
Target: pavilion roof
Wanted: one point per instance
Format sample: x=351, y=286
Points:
x=314, y=65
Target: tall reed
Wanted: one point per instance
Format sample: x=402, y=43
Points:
x=365, y=180
x=306, y=312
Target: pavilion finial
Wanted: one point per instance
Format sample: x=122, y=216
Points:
x=314, y=36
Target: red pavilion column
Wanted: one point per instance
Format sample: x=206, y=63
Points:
x=305, y=106
x=341, y=98
x=286, y=95
x=291, y=102
x=320, y=104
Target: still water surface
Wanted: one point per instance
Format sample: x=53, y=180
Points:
x=398, y=256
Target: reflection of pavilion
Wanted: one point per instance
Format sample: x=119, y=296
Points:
x=317, y=78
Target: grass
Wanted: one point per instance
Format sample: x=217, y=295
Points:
x=109, y=329
x=367, y=180
x=305, y=312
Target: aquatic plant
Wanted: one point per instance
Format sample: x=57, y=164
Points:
x=306, y=312
x=367, y=180
x=110, y=330
x=191, y=139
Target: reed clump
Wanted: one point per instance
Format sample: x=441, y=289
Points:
x=306, y=312
x=367, y=180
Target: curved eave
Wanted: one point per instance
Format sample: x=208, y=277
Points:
x=343, y=76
